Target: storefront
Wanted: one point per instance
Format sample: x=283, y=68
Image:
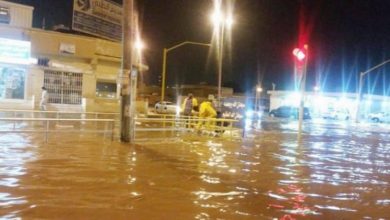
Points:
x=15, y=68
x=321, y=104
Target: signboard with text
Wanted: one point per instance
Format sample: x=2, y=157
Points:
x=14, y=51
x=102, y=18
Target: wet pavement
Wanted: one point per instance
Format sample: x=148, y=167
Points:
x=336, y=171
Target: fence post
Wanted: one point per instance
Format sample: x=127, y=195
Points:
x=112, y=130
x=47, y=130
x=231, y=129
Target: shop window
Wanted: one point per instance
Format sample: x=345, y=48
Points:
x=106, y=90
x=64, y=87
x=12, y=82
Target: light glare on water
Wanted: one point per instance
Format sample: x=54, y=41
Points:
x=331, y=174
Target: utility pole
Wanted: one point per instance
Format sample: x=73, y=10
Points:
x=127, y=39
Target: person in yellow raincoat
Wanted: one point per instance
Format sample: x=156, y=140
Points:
x=207, y=111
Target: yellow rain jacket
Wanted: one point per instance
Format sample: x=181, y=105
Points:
x=206, y=110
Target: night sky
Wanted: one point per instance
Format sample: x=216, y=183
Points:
x=345, y=37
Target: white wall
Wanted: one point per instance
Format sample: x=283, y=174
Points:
x=20, y=15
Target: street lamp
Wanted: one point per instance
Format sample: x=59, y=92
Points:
x=362, y=74
x=164, y=64
x=221, y=21
x=316, y=88
x=259, y=90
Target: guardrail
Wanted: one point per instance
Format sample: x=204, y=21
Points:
x=150, y=123
x=49, y=121
x=59, y=113
x=186, y=123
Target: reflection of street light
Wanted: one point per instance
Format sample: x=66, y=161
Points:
x=220, y=21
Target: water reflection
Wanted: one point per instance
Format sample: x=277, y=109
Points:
x=338, y=172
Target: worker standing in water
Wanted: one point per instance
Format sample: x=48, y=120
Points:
x=189, y=104
x=207, y=111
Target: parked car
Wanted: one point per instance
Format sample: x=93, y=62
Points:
x=289, y=112
x=381, y=117
x=165, y=107
x=336, y=114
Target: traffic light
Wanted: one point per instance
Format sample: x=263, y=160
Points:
x=300, y=57
x=299, y=54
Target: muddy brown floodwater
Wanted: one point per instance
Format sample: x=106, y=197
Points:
x=333, y=173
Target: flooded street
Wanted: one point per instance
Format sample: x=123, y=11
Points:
x=335, y=172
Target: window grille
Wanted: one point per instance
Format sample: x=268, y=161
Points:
x=63, y=87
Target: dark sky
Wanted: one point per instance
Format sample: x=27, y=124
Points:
x=345, y=37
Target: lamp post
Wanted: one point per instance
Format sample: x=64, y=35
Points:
x=221, y=22
x=259, y=90
x=164, y=63
x=362, y=74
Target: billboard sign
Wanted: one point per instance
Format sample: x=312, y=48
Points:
x=15, y=51
x=101, y=18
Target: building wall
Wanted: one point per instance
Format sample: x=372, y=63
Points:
x=320, y=102
x=20, y=15
x=96, y=59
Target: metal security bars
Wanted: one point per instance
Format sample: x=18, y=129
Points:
x=63, y=87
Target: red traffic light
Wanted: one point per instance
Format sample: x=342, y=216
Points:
x=299, y=54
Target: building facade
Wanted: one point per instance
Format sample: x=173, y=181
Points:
x=320, y=103
x=79, y=72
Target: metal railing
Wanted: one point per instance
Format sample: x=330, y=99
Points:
x=47, y=126
x=58, y=114
x=149, y=123
x=186, y=123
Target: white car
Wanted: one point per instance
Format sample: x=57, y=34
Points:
x=336, y=114
x=380, y=117
x=165, y=107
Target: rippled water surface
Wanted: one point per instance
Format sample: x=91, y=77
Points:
x=334, y=172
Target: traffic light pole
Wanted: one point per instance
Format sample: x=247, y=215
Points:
x=302, y=100
x=127, y=30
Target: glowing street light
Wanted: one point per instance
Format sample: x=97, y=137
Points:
x=139, y=45
x=259, y=90
x=316, y=88
x=221, y=21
